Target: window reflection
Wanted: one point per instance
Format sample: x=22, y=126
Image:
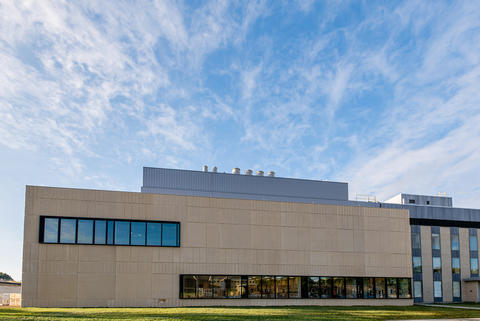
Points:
x=294, y=286
x=392, y=288
x=437, y=265
x=154, y=234
x=473, y=243
x=456, y=289
x=353, y=288
x=313, y=287
x=417, y=264
x=110, y=231
x=254, y=287
x=338, y=288
x=100, y=231
x=455, y=242
x=204, y=287
x=435, y=241
x=404, y=289
x=474, y=266
x=219, y=287
x=325, y=287
x=189, y=287
x=85, y=232
x=380, y=288
x=417, y=289
x=368, y=288
x=268, y=287
x=67, y=230
x=50, y=231
x=138, y=233
x=234, y=287
x=122, y=233
x=169, y=234
x=455, y=265
x=282, y=287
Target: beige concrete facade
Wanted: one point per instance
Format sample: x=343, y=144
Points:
x=218, y=236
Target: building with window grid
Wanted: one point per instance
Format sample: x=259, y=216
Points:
x=199, y=238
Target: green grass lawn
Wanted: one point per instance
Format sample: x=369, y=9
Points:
x=237, y=313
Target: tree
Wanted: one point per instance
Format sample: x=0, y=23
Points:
x=5, y=277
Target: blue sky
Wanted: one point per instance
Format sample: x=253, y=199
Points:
x=384, y=95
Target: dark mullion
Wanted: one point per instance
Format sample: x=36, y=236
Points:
x=93, y=237
x=145, y=233
x=130, y=233
x=76, y=231
x=59, y=230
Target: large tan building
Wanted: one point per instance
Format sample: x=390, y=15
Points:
x=186, y=247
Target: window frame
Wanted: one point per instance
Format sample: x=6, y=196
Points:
x=41, y=235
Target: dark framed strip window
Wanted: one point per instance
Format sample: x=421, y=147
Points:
x=292, y=287
x=90, y=231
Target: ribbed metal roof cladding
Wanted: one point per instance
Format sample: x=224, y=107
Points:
x=172, y=181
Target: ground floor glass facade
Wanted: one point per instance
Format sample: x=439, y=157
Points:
x=292, y=287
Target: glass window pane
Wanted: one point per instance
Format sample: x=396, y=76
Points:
x=368, y=288
x=456, y=289
x=50, y=230
x=219, y=287
x=404, y=289
x=417, y=289
x=189, y=286
x=435, y=241
x=244, y=286
x=437, y=289
x=455, y=242
x=380, y=288
x=122, y=232
x=154, y=234
x=282, y=287
x=473, y=243
x=314, y=287
x=67, y=230
x=254, y=287
x=392, y=288
x=295, y=288
x=110, y=232
x=417, y=264
x=204, y=287
x=473, y=266
x=137, y=233
x=352, y=289
x=169, y=234
x=437, y=265
x=416, y=240
x=234, y=287
x=268, y=287
x=455, y=265
x=338, y=288
x=85, y=232
x=325, y=287
x=100, y=231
